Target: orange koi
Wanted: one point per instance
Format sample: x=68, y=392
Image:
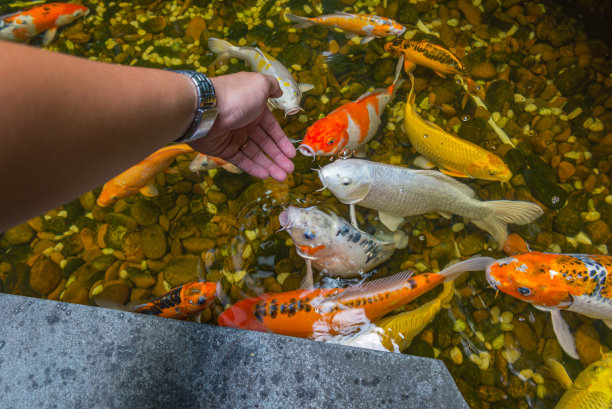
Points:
x=366, y=25
x=350, y=126
x=138, y=176
x=433, y=56
x=24, y=25
x=553, y=282
x=183, y=301
x=205, y=162
x=324, y=312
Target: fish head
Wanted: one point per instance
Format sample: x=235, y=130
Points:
x=70, y=13
x=475, y=88
x=597, y=376
x=531, y=280
x=198, y=295
x=396, y=28
x=290, y=100
x=490, y=167
x=395, y=47
x=309, y=228
x=111, y=192
x=201, y=163
x=325, y=137
x=348, y=179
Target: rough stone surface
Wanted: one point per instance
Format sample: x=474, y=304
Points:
x=71, y=356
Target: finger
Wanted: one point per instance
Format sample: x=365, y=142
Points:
x=270, y=126
x=274, y=90
x=245, y=163
x=269, y=147
x=254, y=151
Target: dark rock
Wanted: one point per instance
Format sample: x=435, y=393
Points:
x=499, y=57
x=145, y=212
x=237, y=30
x=57, y=225
x=420, y=348
x=155, y=25
x=183, y=269
x=383, y=68
x=515, y=159
x=408, y=14
x=119, y=219
x=232, y=184
x=19, y=234
x=113, y=236
x=72, y=264
x=45, y=276
x=568, y=221
x=498, y=93
x=473, y=130
x=549, y=194
x=571, y=81
x=295, y=54
x=72, y=245
x=153, y=241
x=103, y=262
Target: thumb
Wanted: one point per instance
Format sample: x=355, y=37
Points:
x=274, y=90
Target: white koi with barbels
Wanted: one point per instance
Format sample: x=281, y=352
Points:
x=397, y=192
x=202, y=163
x=366, y=25
x=264, y=63
x=331, y=244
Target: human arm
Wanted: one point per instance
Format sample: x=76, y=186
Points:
x=69, y=124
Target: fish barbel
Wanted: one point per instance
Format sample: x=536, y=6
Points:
x=331, y=244
x=327, y=312
x=552, y=282
x=457, y=157
x=366, y=25
x=396, y=192
x=264, y=63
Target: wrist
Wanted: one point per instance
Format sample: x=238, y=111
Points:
x=206, y=107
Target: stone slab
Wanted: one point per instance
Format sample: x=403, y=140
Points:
x=58, y=355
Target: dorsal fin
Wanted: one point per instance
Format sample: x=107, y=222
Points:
x=370, y=288
x=441, y=177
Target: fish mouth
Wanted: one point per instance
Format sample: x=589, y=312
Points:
x=283, y=218
x=492, y=281
x=307, y=150
x=293, y=111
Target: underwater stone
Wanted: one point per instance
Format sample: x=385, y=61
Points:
x=500, y=57
x=154, y=25
x=140, y=278
x=113, y=236
x=130, y=245
x=237, y=30
x=145, y=212
x=103, y=262
x=73, y=209
x=568, y=221
x=196, y=245
x=57, y=225
x=598, y=231
x=19, y=234
x=572, y=80
x=491, y=393
x=408, y=14
x=470, y=245
x=182, y=269
x=116, y=291
x=444, y=93
x=270, y=250
x=525, y=335
x=119, y=219
x=419, y=347
x=232, y=184
x=216, y=197
x=469, y=394
x=153, y=241
x=71, y=266
x=473, y=130
x=383, y=68
x=183, y=227
x=550, y=194
x=498, y=93
x=72, y=245
x=295, y=54
x=45, y=276
x=587, y=344
x=515, y=159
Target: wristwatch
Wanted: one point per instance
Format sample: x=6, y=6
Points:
x=206, y=112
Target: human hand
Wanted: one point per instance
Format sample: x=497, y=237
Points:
x=245, y=132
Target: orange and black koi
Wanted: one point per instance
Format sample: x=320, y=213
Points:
x=181, y=302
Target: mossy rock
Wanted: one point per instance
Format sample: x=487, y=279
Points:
x=182, y=269
x=383, y=68
x=568, y=221
x=550, y=194
x=210, y=230
x=45, y=276
x=103, y=262
x=155, y=24
x=140, y=278
x=473, y=130
x=119, y=219
x=145, y=212
x=183, y=227
x=498, y=94
x=72, y=245
x=113, y=236
x=408, y=14
x=541, y=168
x=500, y=57
x=295, y=54
x=20, y=234
x=73, y=209
x=232, y=184
x=57, y=225
x=72, y=263
x=153, y=241
x=420, y=348
x=571, y=81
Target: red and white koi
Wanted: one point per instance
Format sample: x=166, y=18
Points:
x=350, y=126
x=366, y=25
x=24, y=25
x=553, y=282
x=331, y=244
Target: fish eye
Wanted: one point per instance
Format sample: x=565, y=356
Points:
x=524, y=291
x=477, y=87
x=309, y=235
x=492, y=173
x=202, y=300
x=346, y=181
x=330, y=141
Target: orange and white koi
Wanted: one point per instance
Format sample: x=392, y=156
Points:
x=328, y=312
x=366, y=25
x=350, y=126
x=553, y=282
x=433, y=56
x=203, y=162
x=24, y=25
x=455, y=156
x=138, y=176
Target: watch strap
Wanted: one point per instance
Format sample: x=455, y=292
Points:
x=206, y=109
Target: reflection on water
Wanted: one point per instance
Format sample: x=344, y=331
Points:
x=548, y=87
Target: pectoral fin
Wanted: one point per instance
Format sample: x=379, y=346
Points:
x=608, y=323
x=231, y=168
x=360, y=152
x=454, y=174
x=446, y=215
x=305, y=87
x=365, y=40
x=390, y=220
x=408, y=67
x=149, y=190
x=563, y=333
x=49, y=35
x=440, y=74
x=423, y=163
x=308, y=282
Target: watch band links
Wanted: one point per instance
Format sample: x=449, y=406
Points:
x=206, y=101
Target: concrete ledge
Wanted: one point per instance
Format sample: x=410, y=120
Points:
x=72, y=356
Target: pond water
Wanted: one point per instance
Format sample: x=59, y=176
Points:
x=548, y=86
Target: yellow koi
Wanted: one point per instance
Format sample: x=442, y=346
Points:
x=457, y=157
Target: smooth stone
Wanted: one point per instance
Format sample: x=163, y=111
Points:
x=45, y=275
x=183, y=269
x=145, y=212
x=141, y=278
x=153, y=241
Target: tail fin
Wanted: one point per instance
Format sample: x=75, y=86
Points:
x=507, y=211
x=303, y=21
x=474, y=264
x=411, y=94
x=397, y=82
x=221, y=48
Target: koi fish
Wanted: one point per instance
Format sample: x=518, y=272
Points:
x=179, y=303
x=351, y=125
x=24, y=25
x=366, y=25
x=457, y=157
x=553, y=282
x=395, y=333
x=264, y=63
x=441, y=60
x=591, y=389
x=203, y=162
x=332, y=244
x=137, y=178
x=326, y=312
x=396, y=192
